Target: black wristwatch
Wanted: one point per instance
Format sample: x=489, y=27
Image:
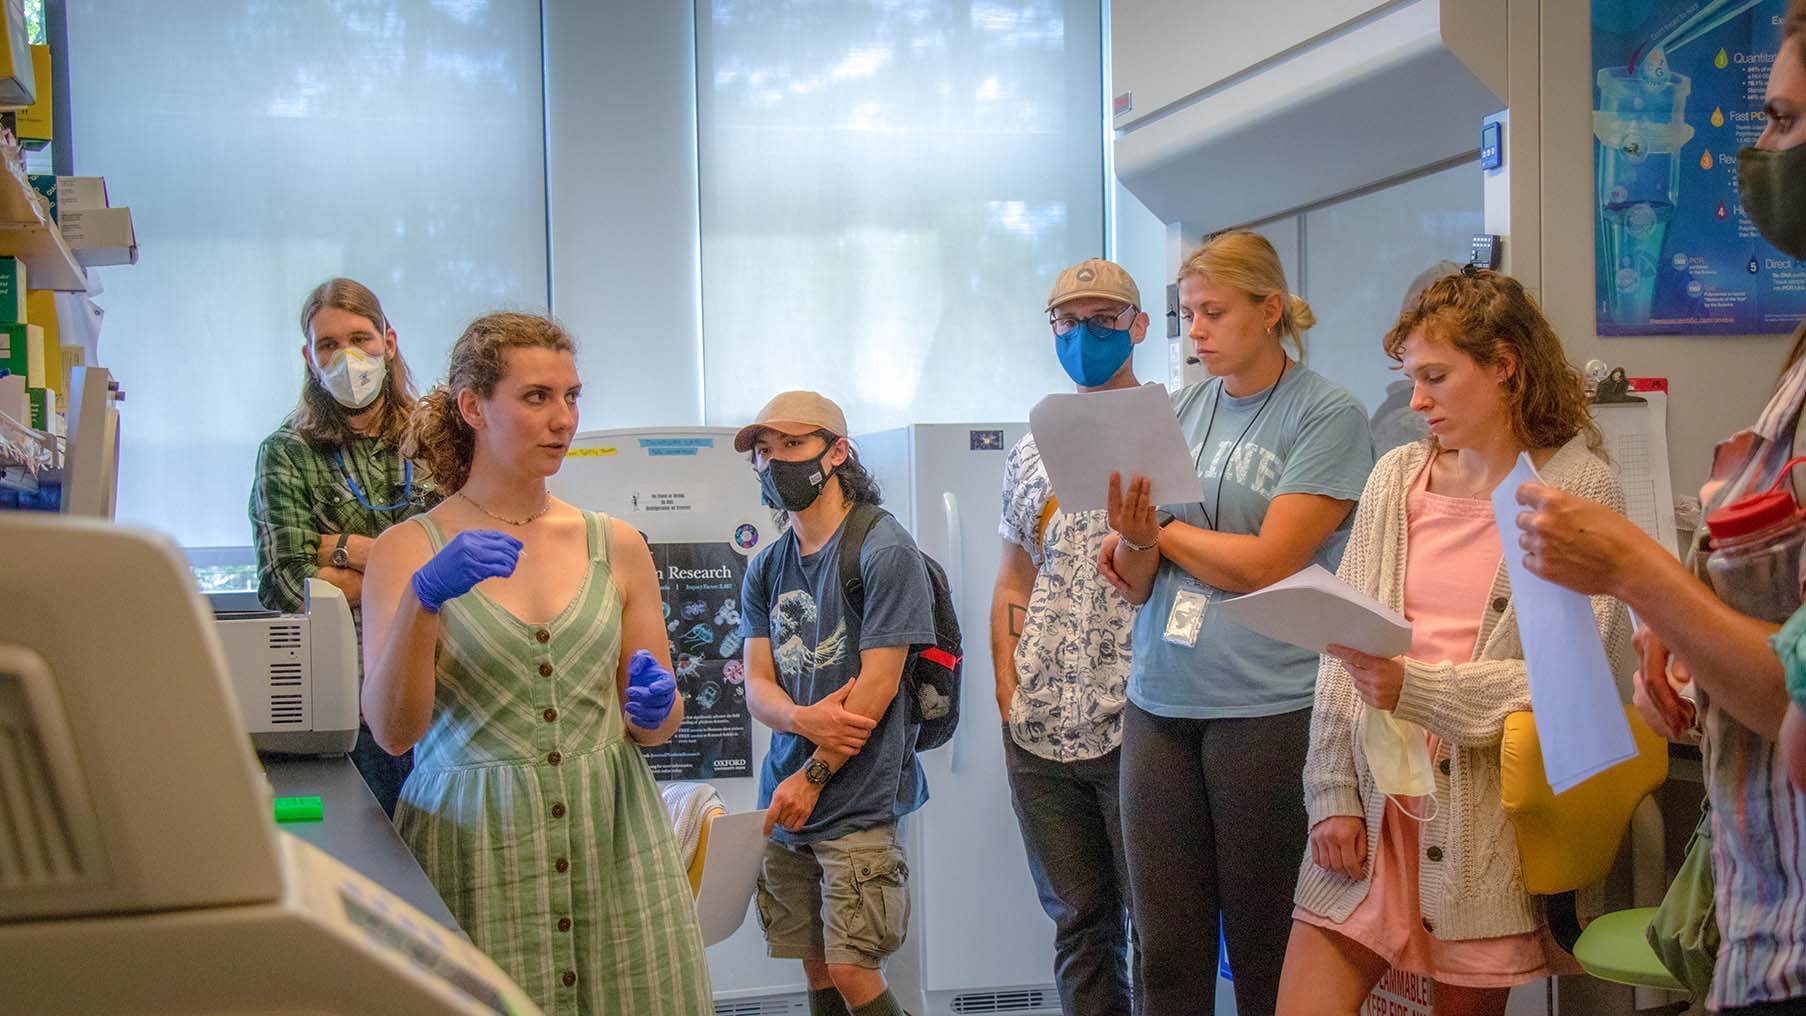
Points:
x=817, y=772
x=340, y=559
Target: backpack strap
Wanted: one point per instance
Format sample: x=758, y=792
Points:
x=852, y=540
x=1047, y=514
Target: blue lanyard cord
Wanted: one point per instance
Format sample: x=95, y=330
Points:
x=407, y=479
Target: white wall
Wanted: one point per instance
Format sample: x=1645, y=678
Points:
x=1139, y=244
x=621, y=206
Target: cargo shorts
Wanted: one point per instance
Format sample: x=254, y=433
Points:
x=845, y=899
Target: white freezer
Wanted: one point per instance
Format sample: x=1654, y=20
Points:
x=978, y=940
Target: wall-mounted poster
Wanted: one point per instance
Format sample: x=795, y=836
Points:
x=1677, y=90
x=701, y=586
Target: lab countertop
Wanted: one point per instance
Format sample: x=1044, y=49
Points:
x=354, y=830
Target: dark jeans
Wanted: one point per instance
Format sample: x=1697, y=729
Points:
x=383, y=773
x=1071, y=825
x=1791, y=1007
x=1213, y=821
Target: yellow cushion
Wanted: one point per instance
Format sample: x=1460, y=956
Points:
x=1570, y=840
x=702, y=849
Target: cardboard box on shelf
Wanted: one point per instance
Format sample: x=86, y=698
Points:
x=22, y=353
x=33, y=125
x=70, y=193
x=98, y=237
x=43, y=408
x=12, y=290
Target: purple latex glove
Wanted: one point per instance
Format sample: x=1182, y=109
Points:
x=651, y=691
x=470, y=557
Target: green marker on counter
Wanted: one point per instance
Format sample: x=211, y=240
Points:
x=299, y=809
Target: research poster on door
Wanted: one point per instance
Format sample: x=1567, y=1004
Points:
x=701, y=587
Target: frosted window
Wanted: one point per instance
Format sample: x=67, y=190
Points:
x=1360, y=256
x=264, y=147
x=888, y=188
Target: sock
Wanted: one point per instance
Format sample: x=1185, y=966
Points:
x=827, y=1002
x=883, y=1005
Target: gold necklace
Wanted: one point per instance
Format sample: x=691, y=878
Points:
x=513, y=522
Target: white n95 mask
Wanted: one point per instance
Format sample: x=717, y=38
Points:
x=1398, y=756
x=354, y=377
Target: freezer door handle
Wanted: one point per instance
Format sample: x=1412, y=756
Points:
x=956, y=577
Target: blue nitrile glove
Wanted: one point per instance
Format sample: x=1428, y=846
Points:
x=1790, y=644
x=470, y=557
x=651, y=691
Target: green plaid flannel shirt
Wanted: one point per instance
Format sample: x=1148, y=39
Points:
x=299, y=493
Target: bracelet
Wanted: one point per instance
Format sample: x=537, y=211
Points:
x=1137, y=547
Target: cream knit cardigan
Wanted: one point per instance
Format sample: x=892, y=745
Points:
x=1469, y=880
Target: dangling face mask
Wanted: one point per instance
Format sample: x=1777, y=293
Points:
x=1773, y=187
x=1093, y=355
x=793, y=486
x=354, y=377
x=1398, y=756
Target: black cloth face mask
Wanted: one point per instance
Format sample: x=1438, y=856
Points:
x=793, y=486
x=1773, y=188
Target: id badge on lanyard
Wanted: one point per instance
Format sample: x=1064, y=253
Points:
x=1186, y=618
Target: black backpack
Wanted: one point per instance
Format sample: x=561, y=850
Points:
x=931, y=672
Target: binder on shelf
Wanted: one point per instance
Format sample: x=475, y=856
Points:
x=12, y=290
x=33, y=124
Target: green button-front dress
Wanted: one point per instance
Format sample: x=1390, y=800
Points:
x=538, y=820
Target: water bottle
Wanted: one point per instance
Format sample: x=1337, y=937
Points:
x=1755, y=559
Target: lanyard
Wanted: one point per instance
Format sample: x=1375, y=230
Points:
x=407, y=479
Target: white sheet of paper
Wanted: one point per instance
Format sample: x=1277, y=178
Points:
x=1579, y=719
x=736, y=848
x=1086, y=436
x=1313, y=608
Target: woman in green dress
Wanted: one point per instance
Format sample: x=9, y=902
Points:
x=517, y=643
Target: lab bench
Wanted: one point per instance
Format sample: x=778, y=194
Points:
x=354, y=829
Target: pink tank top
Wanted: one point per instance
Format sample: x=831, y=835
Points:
x=1452, y=554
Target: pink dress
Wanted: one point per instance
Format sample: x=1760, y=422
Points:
x=1451, y=555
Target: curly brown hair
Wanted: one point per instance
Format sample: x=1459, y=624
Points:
x=318, y=417
x=437, y=435
x=1492, y=318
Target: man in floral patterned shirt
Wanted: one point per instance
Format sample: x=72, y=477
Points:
x=1060, y=647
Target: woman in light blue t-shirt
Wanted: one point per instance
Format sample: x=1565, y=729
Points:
x=1218, y=721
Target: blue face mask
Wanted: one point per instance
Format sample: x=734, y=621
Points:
x=1093, y=355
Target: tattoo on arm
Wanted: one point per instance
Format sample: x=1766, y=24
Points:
x=1018, y=619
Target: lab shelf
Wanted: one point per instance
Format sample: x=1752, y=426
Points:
x=26, y=233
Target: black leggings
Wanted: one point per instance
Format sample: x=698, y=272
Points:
x=1213, y=823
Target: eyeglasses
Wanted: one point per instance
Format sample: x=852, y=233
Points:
x=1066, y=322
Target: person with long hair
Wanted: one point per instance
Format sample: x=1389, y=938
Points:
x=1218, y=719
x=1741, y=667
x=332, y=477
x=520, y=644
x=827, y=678
x=1412, y=864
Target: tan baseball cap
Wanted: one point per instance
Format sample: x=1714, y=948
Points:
x=1094, y=277
x=795, y=413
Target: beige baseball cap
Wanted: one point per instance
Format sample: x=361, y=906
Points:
x=1094, y=277
x=795, y=413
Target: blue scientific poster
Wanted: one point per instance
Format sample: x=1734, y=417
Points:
x=700, y=583
x=1677, y=90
